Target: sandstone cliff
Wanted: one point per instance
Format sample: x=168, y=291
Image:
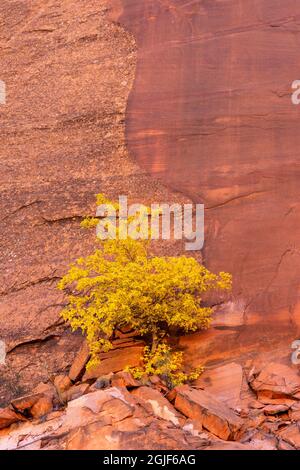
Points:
x=210, y=116
x=68, y=71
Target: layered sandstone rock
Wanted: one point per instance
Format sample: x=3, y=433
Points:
x=211, y=413
x=115, y=412
x=138, y=416
x=225, y=383
x=215, y=121
x=277, y=381
x=108, y=419
x=68, y=71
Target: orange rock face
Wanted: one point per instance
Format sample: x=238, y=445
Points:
x=215, y=121
x=277, y=381
x=139, y=416
x=116, y=360
x=7, y=417
x=211, y=413
x=224, y=383
x=68, y=72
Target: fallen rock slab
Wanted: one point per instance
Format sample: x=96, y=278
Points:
x=124, y=379
x=62, y=383
x=291, y=435
x=80, y=362
x=75, y=392
x=105, y=419
x=275, y=409
x=25, y=403
x=224, y=383
x=210, y=413
x=8, y=417
x=116, y=360
x=42, y=407
x=276, y=381
x=160, y=406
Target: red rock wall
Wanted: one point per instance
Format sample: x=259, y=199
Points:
x=68, y=71
x=211, y=115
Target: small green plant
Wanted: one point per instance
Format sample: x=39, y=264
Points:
x=121, y=284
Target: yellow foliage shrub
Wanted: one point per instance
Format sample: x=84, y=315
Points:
x=121, y=284
x=165, y=363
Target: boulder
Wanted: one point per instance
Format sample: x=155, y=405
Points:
x=264, y=399
x=110, y=419
x=276, y=381
x=46, y=389
x=291, y=435
x=62, y=383
x=224, y=383
x=275, y=409
x=42, y=407
x=102, y=382
x=124, y=379
x=36, y=404
x=209, y=412
x=160, y=406
x=24, y=404
x=254, y=422
x=116, y=360
x=140, y=436
x=171, y=395
x=75, y=392
x=8, y=417
x=159, y=384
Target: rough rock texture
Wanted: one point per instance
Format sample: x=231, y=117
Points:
x=108, y=419
x=217, y=123
x=209, y=412
x=117, y=359
x=138, y=416
x=225, y=383
x=161, y=407
x=8, y=417
x=68, y=71
x=277, y=381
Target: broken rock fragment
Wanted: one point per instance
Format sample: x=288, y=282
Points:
x=80, y=362
x=276, y=381
x=224, y=383
x=8, y=417
x=160, y=406
x=210, y=413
